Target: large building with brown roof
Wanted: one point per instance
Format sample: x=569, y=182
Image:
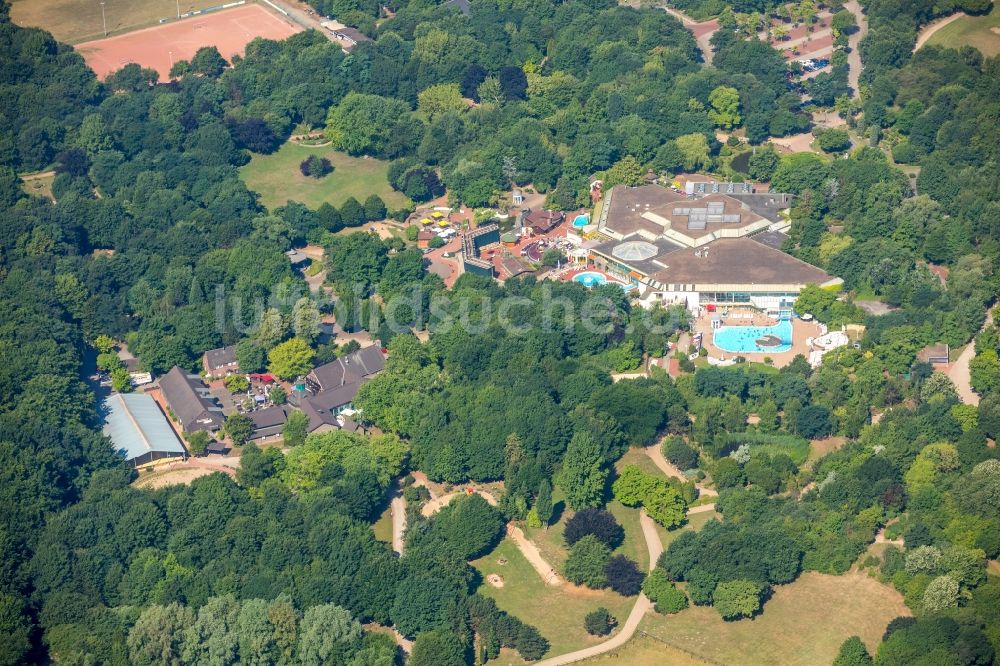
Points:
x=190, y=402
x=333, y=386
x=715, y=245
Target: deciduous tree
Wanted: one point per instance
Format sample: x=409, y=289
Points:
x=583, y=475
x=586, y=561
x=735, y=599
x=294, y=431
x=290, y=359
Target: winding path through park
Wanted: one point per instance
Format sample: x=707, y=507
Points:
x=656, y=455
x=854, y=57
x=527, y=547
x=959, y=372
x=928, y=30
x=702, y=31
x=639, y=610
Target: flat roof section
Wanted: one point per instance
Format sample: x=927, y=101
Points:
x=627, y=205
x=651, y=211
x=738, y=261
x=646, y=266
x=137, y=426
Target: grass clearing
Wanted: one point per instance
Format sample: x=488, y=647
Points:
x=638, y=457
x=694, y=522
x=383, y=526
x=982, y=32
x=75, y=21
x=804, y=623
x=39, y=186
x=557, y=612
x=645, y=651
x=277, y=179
x=821, y=447
x=634, y=545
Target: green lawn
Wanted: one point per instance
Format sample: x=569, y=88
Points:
x=39, y=187
x=557, y=612
x=552, y=546
x=277, y=178
x=638, y=457
x=982, y=32
x=694, y=522
x=383, y=526
x=645, y=651
x=804, y=623
x=634, y=545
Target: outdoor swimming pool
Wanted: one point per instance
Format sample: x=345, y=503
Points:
x=591, y=279
x=581, y=220
x=743, y=339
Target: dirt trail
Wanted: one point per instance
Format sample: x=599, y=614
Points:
x=531, y=553
x=437, y=503
x=527, y=547
x=854, y=57
x=639, y=610
x=397, y=507
x=37, y=176
x=656, y=455
x=184, y=472
x=880, y=537
x=959, y=372
x=928, y=30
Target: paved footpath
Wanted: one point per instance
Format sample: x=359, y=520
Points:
x=655, y=454
x=854, y=57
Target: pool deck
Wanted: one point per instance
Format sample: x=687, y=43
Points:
x=801, y=330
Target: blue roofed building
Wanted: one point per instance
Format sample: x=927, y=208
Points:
x=139, y=429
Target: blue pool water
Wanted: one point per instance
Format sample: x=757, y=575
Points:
x=590, y=279
x=743, y=339
x=581, y=220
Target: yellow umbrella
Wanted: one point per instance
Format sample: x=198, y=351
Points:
x=425, y=221
x=443, y=223
x=437, y=214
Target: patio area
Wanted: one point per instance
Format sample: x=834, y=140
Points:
x=746, y=316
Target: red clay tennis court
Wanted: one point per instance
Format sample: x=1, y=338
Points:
x=229, y=30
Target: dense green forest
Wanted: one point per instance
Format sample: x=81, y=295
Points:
x=150, y=223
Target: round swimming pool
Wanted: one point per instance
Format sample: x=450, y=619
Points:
x=589, y=279
x=581, y=221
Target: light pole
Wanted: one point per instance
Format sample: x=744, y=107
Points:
x=104, y=19
x=178, y=10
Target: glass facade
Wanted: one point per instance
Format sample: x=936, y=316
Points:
x=744, y=296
